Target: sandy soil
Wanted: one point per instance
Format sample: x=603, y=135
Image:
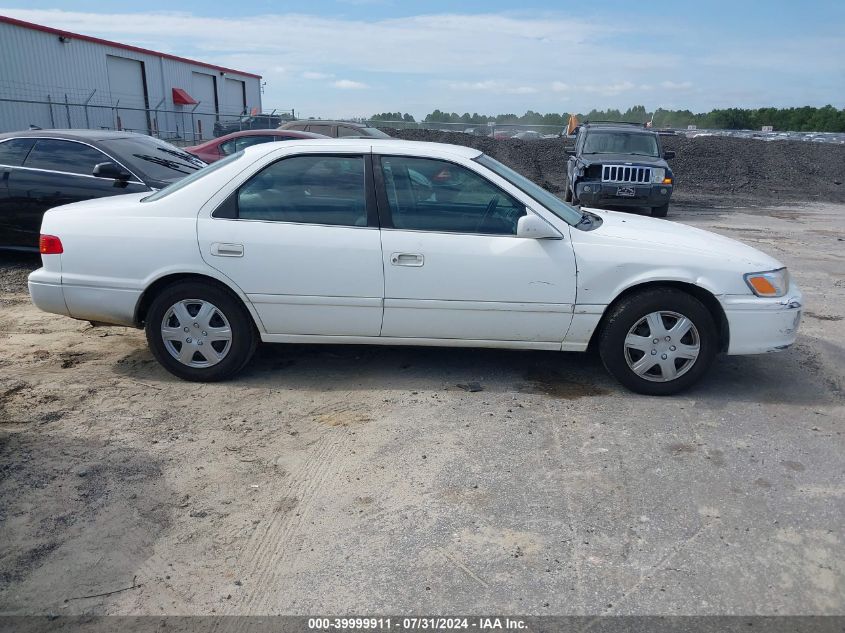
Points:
x=352, y=479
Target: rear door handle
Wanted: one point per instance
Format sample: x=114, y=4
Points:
x=407, y=259
x=227, y=250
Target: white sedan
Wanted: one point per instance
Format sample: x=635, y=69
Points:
x=404, y=243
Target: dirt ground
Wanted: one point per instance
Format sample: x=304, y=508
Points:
x=381, y=480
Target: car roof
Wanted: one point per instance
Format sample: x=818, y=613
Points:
x=325, y=122
x=268, y=132
x=85, y=135
x=382, y=146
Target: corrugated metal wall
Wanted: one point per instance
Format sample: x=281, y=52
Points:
x=38, y=66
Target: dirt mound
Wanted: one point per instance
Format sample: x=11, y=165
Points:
x=707, y=169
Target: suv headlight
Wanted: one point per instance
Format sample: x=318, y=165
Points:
x=771, y=283
x=658, y=174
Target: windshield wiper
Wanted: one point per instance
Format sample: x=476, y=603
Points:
x=586, y=220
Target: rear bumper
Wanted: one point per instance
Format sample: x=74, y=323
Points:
x=761, y=326
x=45, y=289
x=595, y=192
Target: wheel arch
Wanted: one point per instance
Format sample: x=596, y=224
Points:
x=702, y=294
x=160, y=283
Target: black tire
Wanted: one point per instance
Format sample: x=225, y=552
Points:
x=630, y=312
x=661, y=211
x=239, y=351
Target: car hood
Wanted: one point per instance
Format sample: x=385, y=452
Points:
x=606, y=159
x=689, y=242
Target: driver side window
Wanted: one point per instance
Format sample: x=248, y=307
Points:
x=433, y=195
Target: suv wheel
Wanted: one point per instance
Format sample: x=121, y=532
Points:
x=659, y=342
x=660, y=212
x=200, y=332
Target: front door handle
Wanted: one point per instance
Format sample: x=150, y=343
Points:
x=227, y=250
x=407, y=259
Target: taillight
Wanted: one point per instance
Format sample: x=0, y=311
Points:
x=50, y=245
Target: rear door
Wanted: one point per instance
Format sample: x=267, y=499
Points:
x=13, y=152
x=300, y=237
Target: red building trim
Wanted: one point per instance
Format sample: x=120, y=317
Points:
x=126, y=47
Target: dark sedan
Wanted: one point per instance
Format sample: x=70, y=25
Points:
x=218, y=148
x=41, y=169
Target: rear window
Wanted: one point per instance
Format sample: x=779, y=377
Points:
x=153, y=158
x=14, y=151
x=179, y=184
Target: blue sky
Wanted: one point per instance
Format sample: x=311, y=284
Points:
x=355, y=57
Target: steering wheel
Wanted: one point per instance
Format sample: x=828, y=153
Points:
x=491, y=207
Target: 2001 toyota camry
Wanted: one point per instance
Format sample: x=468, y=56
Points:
x=392, y=242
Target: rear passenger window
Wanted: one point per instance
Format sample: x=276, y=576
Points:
x=14, y=151
x=321, y=129
x=68, y=156
x=347, y=131
x=308, y=190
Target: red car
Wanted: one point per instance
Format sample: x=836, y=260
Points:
x=236, y=141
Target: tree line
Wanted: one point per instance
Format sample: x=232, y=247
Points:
x=803, y=119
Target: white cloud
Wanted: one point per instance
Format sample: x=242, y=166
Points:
x=491, y=86
x=676, y=85
x=348, y=84
x=314, y=75
x=559, y=86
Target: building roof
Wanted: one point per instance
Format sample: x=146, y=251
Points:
x=127, y=47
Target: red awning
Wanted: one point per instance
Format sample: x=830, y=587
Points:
x=181, y=97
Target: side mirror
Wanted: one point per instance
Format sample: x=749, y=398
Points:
x=532, y=226
x=111, y=170
x=668, y=155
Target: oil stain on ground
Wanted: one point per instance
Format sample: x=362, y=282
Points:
x=549, y=382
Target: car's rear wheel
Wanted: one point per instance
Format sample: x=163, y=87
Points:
x=200, y=332
x=659, y=341
x=660, y=212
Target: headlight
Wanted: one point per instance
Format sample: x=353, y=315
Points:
x=658, y=174
x=771, y=283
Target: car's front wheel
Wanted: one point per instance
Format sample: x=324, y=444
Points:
x=660, y=212
x=659, y=341
x=200, y=332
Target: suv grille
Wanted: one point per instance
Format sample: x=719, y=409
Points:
x=623, y=173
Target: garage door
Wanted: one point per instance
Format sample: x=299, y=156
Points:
x=234, y=101
x=128, y=90
x=203, y=89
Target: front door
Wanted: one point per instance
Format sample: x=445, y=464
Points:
x=58, y=172
x=454, y=268
x=300, y=237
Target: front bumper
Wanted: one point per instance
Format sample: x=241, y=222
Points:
x=759, y=325
x=593, y=193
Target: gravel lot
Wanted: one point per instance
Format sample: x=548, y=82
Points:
x=353, y=479
x=732, y=171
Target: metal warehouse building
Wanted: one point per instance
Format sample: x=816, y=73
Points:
x=56, y=79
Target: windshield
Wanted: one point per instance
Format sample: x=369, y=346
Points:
x=547, y=199
x=153, y=159
x=200, y=173
x=620, y=143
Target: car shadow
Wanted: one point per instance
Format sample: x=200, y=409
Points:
x=784, y=377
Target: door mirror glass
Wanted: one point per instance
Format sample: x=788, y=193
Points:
x=668, y=155
x=532, y=226
x=111, y=170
